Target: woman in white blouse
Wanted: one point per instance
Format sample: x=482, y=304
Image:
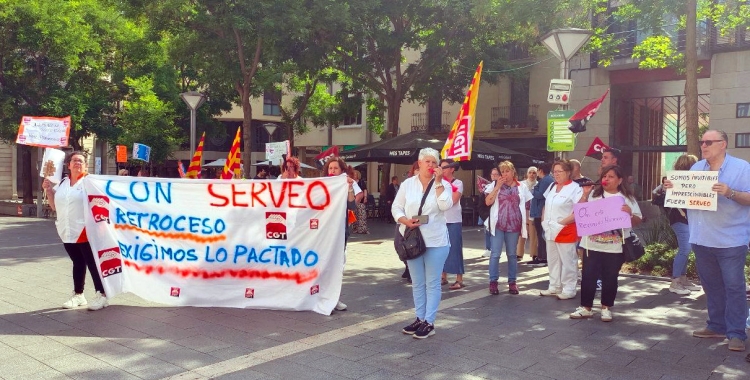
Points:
x=603, y=257
x=69, y=201
x=426, y=269
x=560, y=232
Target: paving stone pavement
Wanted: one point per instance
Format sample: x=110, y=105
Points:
x=478, y=336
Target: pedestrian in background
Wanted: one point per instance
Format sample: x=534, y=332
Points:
x=678, y=221
x=603, y=257
x=560, y=232
x=537, y=205
x=530, y=236
x=454, y=264
x=426, y=269
x=719, y=239
x=507, y=222
x=68, y=199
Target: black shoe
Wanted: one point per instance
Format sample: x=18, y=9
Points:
x=406, y=273
x=425, y=330
x=540, y=263
x=532, y=261
x=413, y=327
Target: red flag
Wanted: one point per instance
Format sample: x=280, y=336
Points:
x=597, y=148
x=458, y=145
x=232, y=166
x=181, y=169
x=579, y=119
x=194, y=170
x=328, y=153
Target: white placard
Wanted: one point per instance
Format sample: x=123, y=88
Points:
x=692, y=189
x=52, y=165
x=275, y=150
x=236, y=243
x=97, y=165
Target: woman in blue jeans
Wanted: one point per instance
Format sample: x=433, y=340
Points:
x=679, y=222
x=507, y=222
x=426, y=269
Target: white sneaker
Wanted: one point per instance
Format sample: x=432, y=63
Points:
x=548, y=292
x=566, y=296
x=340, y=306
x=677, y=287
x=689, y=285
x=75, y=301
x=606, y=315
x=486, y=253
x=581, y=313
x=99, y=302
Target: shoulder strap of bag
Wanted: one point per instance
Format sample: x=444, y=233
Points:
x=424, y=196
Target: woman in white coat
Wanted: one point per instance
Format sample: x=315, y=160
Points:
x=560, y=232
x=507, y=222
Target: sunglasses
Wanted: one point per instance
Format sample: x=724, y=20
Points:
x=708, y=142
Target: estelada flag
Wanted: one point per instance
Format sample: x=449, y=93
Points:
x=458, y=144
x=321, y=159
x=597, y=148
x=194, y=170
x=232, y=166
x=577, y=122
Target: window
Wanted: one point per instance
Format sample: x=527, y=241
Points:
x=272, y=102
x=353, y=111
x=742, y=140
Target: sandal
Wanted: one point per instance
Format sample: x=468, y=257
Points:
x=457, y=285
x=444, y=282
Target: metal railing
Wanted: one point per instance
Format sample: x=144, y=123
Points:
x=515, y=118
x=420, y=123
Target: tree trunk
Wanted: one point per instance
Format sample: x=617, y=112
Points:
x=691, y=80
x=247, y=132
x=26, y=173
x=393, y=114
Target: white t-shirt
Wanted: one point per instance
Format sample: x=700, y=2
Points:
x=70, y=203
x=453, y=215
x=408, y=198
x=610, y=241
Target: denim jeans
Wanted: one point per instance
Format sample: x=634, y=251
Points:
x=721, y=271
x=510, y=239
x=425, y=276
x=680, y=264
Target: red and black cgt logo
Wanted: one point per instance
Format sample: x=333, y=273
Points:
x=276, y=225
x=314, y=223
x=174, y=291
x=99, y=205
x=249, y=293
x=110, y=262
x=315, y=289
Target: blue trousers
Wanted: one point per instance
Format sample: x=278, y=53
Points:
x=510, y=239
x=425, y=276
x=680, y=264
x=721, y=271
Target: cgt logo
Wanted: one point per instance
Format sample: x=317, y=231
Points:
x=249, y=293
x=315, y=289
x=110, y=262
x=99, y=205
x=276, y=225
x=174, y=291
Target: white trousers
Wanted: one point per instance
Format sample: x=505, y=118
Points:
x=562, y=262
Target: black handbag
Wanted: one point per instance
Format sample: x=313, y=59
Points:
x=632, y=249
x=411, y=245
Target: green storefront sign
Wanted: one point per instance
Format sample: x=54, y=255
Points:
x=559, y=137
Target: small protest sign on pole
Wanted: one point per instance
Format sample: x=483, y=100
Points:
x=141, y=152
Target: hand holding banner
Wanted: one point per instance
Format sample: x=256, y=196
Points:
x=692, y=189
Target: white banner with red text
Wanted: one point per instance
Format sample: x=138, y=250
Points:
x=276, y=244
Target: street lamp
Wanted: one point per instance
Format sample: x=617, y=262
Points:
x=193, y=99
x=564, y=44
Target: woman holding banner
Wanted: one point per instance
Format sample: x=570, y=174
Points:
x=336, y=166
x=603, y=257
x=679, y=223
x=560, y=232
x=69, y=201
x=426, y=269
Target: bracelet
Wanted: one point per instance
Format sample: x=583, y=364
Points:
x=731, y=196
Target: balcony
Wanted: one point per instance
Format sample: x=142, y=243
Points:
x=517, y=52
x=733, y=40
x=706, y=42
x=420, y=123
x=515, y=119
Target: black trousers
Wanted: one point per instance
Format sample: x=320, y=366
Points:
x=541, y=245
x=600, y=265
x=82, y=257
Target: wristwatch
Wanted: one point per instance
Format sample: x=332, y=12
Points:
x=731, y=195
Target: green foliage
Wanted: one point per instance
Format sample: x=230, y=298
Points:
x=658, y=261
x=375, y=115
x=656, y=52
x=659, y=231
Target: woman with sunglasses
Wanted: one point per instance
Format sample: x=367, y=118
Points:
x=602, y=258
x=69, y=201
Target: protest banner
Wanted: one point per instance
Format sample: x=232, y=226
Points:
x=601, y=215
x=47, y=132
x=275, y=151
x=52, y=165
x=276, y=244
x=692, y=189
x=122, y=153
x=141, y=152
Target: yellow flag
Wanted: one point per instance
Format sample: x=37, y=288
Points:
x=458, y=144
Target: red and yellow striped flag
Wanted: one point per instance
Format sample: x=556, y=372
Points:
x=194, y=170
x=232, y=166
x=458, y=144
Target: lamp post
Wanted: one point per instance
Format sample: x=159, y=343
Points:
x=270, y=128
x=193, y=99
x=564, y=44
